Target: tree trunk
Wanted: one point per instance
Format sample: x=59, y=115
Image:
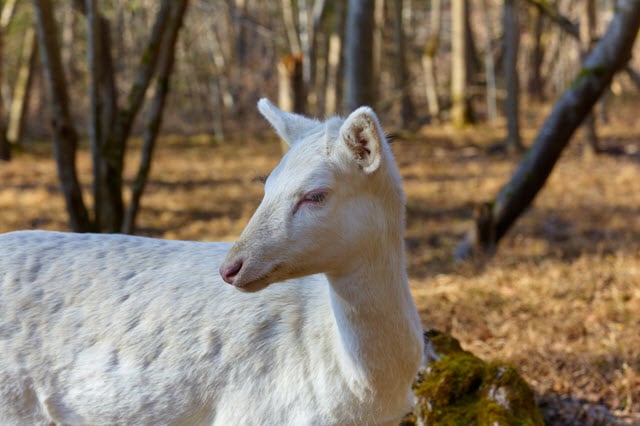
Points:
x=492, y=108
x=587, y=39
x=22, y=87
x=378, y=26
x=5, y=17
x=512, y=103
x=428, y=60
x=407, y=112
x=334, y=63
x=291, y=84
x=359, y=55
x=165, y=68
x=65, y=138
x=95, y=141
x=290, y=27
x=115, y=141
x=609, y=56
x=535, y=86
x=460, y=102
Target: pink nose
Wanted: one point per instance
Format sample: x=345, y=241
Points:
x=229, y=272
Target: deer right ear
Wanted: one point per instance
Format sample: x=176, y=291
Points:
x=289, y=126
x=361, y=133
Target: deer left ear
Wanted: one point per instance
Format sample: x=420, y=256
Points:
x=361, y=133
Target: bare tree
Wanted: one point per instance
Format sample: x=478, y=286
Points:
x=6, y=14
x=359, y=54
x=22, y=87
x=401, y=73
x=512, y=103
x=65, y=137
x=110, y=125
x=428, y=59
x=334, y=60
x=460, y=102
x=608, y=57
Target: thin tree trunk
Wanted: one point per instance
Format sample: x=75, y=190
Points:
x=378, y=25
x=587, y=39
x=65, y=138
x=407, y=112
x=512, y=103
x=535, y=86
x=95, y=142
x=165, y=68
x=115, y=142
x=5, y=18
x=359, y=54
x=22, y=89
x=334, y=63
x=608, y=57
x=460, y=111
x=492, y=108
x=290, y=27
x=428, y=60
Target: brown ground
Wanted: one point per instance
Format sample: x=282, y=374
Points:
x=560, y=300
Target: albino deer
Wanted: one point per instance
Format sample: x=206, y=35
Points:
x=317, y=327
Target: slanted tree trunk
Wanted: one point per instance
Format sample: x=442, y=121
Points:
x=460, y=101
x=428, y=60
x=512, y=103
x=609, y=56
x=359, y=55
x=65, y=137
x=154, y=121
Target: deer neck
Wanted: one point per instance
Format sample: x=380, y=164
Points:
x=377, y=322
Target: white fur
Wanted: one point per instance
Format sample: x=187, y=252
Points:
x=114, y=329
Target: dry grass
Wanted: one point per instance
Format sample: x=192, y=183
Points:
x=561, y=300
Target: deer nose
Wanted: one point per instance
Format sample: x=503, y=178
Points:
x=229, y=272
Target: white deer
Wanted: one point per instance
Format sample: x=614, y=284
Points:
x=114, y=329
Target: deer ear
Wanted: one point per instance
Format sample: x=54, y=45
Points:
x=289, y=126
x=361, y=133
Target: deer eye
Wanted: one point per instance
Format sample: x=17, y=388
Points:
x=315, y=196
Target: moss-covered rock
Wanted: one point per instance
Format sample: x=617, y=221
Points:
x=457, y=388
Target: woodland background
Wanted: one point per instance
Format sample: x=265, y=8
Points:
x=139, y=116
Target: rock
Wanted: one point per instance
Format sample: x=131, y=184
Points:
x=457, y=388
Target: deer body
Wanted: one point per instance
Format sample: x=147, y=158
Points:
x=318, y=326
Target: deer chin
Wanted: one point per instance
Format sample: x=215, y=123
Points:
x=252, y=285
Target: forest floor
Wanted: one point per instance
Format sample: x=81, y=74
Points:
x=560, y=300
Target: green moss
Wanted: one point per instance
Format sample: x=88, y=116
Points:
x=585, y=72
x=461, y=389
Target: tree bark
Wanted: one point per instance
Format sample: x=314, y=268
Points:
x=359, y=55
x=460, y=102
x=587, y=39
x=8, y=9
x=65, y=137
x=334, y=62
x=428, y=60
x=22, y=88
x=401, y=74
x=609, y=56
x=535, y=85
x=492, y=108
x=95, y=142
x=512, y=103
x=154, y=121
